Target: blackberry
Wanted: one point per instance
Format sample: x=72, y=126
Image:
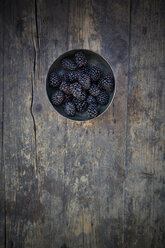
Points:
x=107, y=83
x=85, y=70
x=73, y=76
x=82, y=96
x=54, y=80
x=94, y=90
x=84, y=80
x=70, y=109
x=57, y=98
x=68, y=98
x=95, y=73
x=63, y=75
x=103, y=98
x=80, y=59
x=76, y=89
x=91, y=99
x=75, y=101
x=100, y=86
x=81, y=106
x=68, y=64
x=65, y=87
x=92, y=111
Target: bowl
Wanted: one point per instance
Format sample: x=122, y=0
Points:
x=93, y=59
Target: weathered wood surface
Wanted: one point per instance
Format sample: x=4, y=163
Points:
x=98, y=184
x=2, y=213
x=22, y=204
x=145, y=172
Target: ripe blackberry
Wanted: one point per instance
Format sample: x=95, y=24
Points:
x=76, y=89
x=70, y=109
x=95, y=73
x=107, y=83
x=82, y=96
x=57, y=98
x=85, y=70
x=68, y=98
x=53, y=79
x=73, y=76
x=91, y=99
x=81, y=106
x=103, y=98
x=92, y=111
x=94, y=90
x=80, y=59
x=75, y=101
x=65, y=87
x=100, y=86
x=63, y=75
x=68, y=64
x=84, y=80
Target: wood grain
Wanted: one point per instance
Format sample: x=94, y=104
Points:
x=21, y=188
x=2, y=176
x=97, y=184
x=81, y=171
x=145, y=175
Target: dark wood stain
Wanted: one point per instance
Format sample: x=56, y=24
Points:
x=2, y=171
x=91, y=185
x=144, y=165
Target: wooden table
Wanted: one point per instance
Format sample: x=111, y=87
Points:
x=99, y=184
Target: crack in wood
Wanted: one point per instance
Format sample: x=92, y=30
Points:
x=35, y=46
x=147, y=175
x=36, y=22
x=33, y=118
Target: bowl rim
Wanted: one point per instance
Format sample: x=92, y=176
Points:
x=114, y=92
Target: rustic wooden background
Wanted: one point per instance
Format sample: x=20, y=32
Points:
x=99, y=184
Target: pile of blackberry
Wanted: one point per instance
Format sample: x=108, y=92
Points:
x=80, y=87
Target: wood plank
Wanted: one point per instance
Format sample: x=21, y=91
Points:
x=145, y=198
x=51, y=41
x=81, y=166
x=2, y=176
x=23, y=207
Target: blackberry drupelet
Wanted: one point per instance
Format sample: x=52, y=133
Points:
x=95, y=73
x=84, y=80
x=94, y=90
x=57, y=98
x=68, y=64
x=65, y=87
x=63, y=75
x=103, y=98
x=107, y=83
x=76, y=89
x=54, y=79
x=81, y=106
x=91, y=99
x=70, y=109
x=92, y=111
x=75, y=101
x=73, y=76
x=85, y=70
x=82, y=96
x=68, y=98
x=80, y=59
x=100, y=86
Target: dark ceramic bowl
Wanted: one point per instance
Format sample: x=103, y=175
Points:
x=93, y=59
